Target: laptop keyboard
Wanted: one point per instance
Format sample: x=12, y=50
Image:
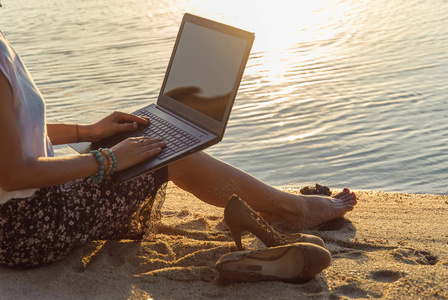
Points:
x=176, y=139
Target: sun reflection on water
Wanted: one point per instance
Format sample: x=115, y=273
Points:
x=278, y=26
x=293, y=138
x=290, y=36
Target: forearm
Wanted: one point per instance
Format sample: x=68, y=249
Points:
x=47, y=171
x=110, y=125
x=69, y=133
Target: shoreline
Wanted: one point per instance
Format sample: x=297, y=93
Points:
x=391, y=244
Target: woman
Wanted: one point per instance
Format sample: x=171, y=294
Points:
x=52, y=205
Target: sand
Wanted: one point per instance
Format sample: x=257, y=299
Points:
x=392, y=246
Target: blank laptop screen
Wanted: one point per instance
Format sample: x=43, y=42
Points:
x=204, y=70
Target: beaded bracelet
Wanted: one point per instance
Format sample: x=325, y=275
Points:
x=112, y=161
x=98, y=177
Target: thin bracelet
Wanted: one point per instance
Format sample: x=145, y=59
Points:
x=98, y=177
x=77, y=134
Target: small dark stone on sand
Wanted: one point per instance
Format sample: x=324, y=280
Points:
x=316, y=190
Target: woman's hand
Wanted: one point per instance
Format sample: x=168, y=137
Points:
x=115, y=123
x=136, y=149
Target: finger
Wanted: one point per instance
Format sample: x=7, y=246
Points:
x=126, y=127
x=122, y=117
x=150, y=138
x=155, y=144
x=145, y=141
x=149, y=153
x=148, y=148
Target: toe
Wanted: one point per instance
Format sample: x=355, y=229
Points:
x=352, y=201
x=353, y=198
x=343, y=193
x=348, y=197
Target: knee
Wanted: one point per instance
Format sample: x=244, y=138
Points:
x=184, y=166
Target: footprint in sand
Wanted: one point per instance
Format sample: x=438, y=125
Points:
x=353, y=291
x=348, y=253
x=415, y=257
x=405, y=255
x=385, y=276
x=196, y=224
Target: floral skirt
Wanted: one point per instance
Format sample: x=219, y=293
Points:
x=56, y=220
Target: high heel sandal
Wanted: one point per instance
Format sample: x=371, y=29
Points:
x=240, y=217
x=291, y=263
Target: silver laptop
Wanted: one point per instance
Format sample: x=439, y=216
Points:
x=197, y=94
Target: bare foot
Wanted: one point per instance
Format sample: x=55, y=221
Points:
x=308, y=211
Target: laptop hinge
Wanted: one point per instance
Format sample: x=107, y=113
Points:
x=183, y=120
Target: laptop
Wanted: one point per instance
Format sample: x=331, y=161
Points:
x=196, y=97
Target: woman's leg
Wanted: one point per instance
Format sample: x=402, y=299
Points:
x=214, y=181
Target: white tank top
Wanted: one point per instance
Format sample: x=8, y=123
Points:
x=29, y=111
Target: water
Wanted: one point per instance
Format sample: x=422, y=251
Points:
x=345, y=93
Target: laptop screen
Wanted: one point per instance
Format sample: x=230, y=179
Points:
x=205, y=69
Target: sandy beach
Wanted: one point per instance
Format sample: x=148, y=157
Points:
x=392, y=246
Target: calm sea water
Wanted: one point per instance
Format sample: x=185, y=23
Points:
x=341, y=92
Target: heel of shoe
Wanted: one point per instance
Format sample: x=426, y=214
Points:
x=233, y=217
x=239, y=217
x=236, y=233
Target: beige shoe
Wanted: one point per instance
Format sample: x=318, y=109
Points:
x=298, y=262
x=240, y=217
